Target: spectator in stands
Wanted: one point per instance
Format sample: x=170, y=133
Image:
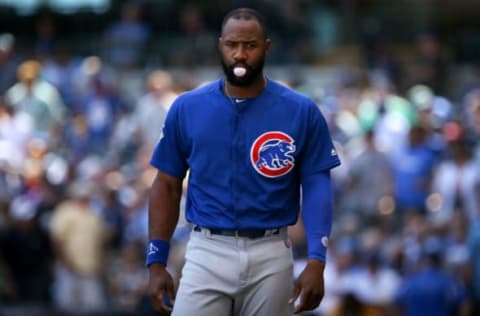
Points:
x=471, y=105
x=375, y=284
x=430, y=66
x=126, y=39
x=350, y=305
x=195, y=36
x=380, y=60
x=38, y=98
x=27, y=251
x=367, y=187
x=112, y=213
x=457, y=180
x=16, y=130
x=101, y=108
x=390, y=115
x=151, y=110
x=413, y=168
x=59, y=69
x=8, y=62
x=415, y=229
x=474, y=251
x=133, y=198
x=341, y=266
x=457, y=254
x=79, y=236
x=127, y=279
x=430, y=291
x=46, y=36
x=76, y=138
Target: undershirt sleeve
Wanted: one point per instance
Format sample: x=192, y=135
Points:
x=317, y=213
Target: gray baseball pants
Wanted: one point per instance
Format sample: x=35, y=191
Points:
x=236, y=276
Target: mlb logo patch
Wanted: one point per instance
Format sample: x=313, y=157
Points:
x=271, y=154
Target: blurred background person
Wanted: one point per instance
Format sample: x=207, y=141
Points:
x=367, y=187
x=457, y=180
x=429, y=290
x=126, y=279
x=8, y=62
x=474, y=259
x=413, y=168
x=430, y=63
x=151, y=109
x=471, y=114
x=126, y=39
x=37, y=98
x=79, y=236
x=26, y=240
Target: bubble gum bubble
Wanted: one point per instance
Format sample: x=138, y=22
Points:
x=239, y=71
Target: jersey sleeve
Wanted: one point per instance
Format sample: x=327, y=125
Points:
x=320, y=153
x=169, y=155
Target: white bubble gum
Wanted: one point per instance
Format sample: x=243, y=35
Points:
x=239, y=71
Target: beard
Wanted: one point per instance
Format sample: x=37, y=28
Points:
x=253, y=72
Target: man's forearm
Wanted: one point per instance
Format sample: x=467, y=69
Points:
x=164, y=204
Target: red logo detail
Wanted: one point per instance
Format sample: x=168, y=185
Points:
x=271, y=154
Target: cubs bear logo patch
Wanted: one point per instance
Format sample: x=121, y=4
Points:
x=271, y=154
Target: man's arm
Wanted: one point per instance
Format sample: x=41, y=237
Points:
x=317, y=209
x=164, y=206
x=163, y=212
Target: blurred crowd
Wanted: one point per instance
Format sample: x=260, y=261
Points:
x=77, y=132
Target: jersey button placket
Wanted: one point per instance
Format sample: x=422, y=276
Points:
x=235, y=159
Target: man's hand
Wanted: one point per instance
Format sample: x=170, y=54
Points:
x=309, y=287
x=160, y=284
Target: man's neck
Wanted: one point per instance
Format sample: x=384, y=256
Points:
x=249, y=91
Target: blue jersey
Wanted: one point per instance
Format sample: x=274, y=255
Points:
x=247, y=157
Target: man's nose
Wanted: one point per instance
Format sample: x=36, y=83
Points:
x=240, y=53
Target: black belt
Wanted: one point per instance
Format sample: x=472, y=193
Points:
x=247, y=233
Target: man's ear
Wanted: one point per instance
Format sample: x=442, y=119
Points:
x=268, y=45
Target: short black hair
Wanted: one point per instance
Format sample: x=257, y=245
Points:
x=245, y=14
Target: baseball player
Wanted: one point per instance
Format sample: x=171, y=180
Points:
x=253, y=147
